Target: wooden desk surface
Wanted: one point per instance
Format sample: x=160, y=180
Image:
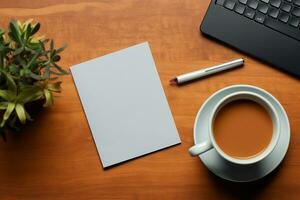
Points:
x=55, y=157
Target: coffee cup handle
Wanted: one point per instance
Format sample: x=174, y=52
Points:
x=200, y=148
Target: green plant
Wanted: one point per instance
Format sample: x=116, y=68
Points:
x=28, y=72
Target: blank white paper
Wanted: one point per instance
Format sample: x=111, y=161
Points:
x=125, y=104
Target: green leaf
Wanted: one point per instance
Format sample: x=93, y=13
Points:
x=28, y=117
x=35, y=76
x=2, y=123
x=53, y=78
x=11, y=84
x=23, y=72
x=27, y=22
x=31, y=62
x=3, y=105
x=12, y=37
x=38, y=95
x=55, y=87
x=9, y=110
x=1, y=32
x=20, y=61
x=23, y=35
x=29, y=94
x=54, y=72
x=49, y=98
x=36, y=28
x=47, y=72
x=12, y=87
x=33, y=48
x=14, y=69
x=42, y=44
x=56, y=58
x=15, y=33
x=20, y=110
x=18, y=51
x=29, y=48
x=61, y=48
x=60, y=69
x=51, y=45
x=4, y=94
x=45, y=40
x=27, y=31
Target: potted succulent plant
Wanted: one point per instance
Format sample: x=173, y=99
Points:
x=28, y=73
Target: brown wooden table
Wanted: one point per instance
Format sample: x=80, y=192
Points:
x=55, y=157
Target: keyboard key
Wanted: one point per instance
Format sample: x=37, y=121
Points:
x=229, y=4
x=284, y=17
x=220, y=2
x=283, y=28
x=294, y=21
x=273, y=12
x=239, y=8
x=259, y=17
x=249, y=13
x=280, y=15
x=243, y=1
x=252, y=4
x=296, y=11
x=296, y=2
x=262, y=7
x=286, y=7
x=275, y=3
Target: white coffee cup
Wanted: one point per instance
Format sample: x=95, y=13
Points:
x=210, y=143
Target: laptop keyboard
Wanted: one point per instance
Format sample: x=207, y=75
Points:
x=280, y=15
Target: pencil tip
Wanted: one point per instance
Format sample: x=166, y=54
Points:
x=173, y=81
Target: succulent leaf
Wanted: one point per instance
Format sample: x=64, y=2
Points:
x=10, y=108
x=3, y=105
x=49, y=98
x=4, y=94
x=55, y=87
x=14, y=32
x=20, y=110
x=35, y=28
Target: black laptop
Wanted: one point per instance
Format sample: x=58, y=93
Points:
x=266, y=29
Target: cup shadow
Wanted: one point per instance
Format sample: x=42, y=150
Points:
x=243, y=190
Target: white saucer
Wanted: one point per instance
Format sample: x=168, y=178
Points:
x=241, y=173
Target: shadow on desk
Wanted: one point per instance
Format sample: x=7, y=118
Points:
x=251, y=190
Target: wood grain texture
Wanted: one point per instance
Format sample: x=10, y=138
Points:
x=55, y=157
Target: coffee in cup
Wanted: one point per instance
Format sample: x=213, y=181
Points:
x=242, y=128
